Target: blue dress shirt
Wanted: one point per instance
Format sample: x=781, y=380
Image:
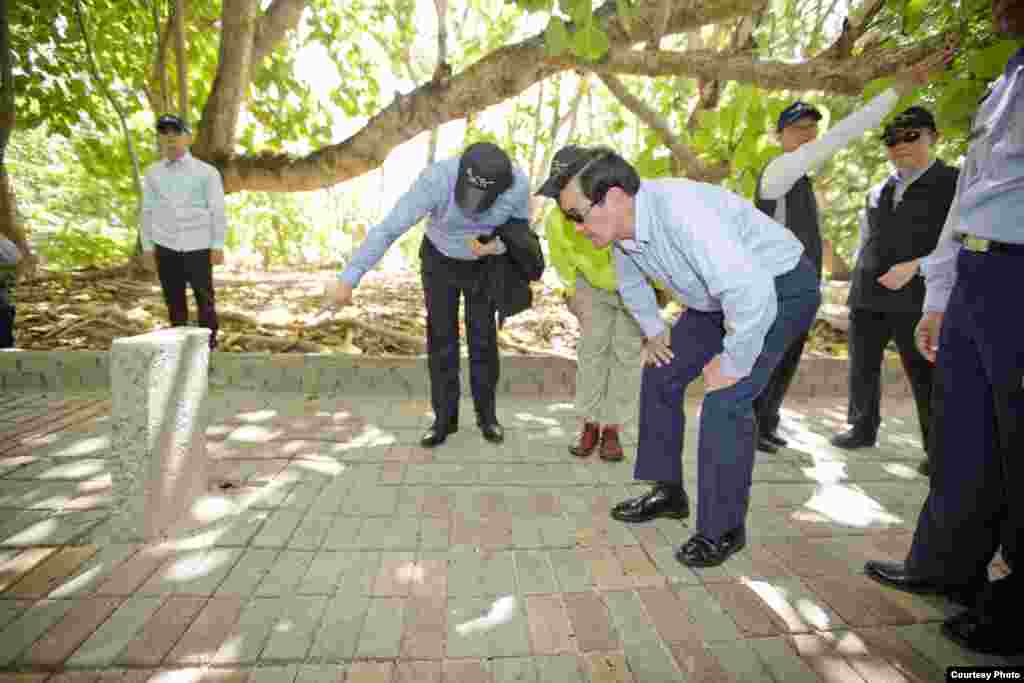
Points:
x=716, y=252
x=989, y=200
x=449, y=229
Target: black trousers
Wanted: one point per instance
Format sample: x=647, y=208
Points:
x=445, y=282
x=769, y=402
x=870, y=332
x=6, y=325
x=178, y=268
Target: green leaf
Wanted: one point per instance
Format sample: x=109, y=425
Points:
x=876, y=87
x=578, y=10
x=989, y=62
x=913, y=15
x=590, y=43
x=535, y=5
x=556, y=37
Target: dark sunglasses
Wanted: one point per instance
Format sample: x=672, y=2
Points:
x=893, y=139
x=578, y=217
x=574, y=215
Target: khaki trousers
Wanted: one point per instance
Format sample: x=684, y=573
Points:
x=608, y=357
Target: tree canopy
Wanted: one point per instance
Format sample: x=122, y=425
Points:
x=683, y=87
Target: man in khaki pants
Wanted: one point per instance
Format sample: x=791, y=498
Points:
x=609, y=351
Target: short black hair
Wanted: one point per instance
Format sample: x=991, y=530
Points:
x=607, y=169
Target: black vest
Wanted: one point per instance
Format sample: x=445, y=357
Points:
x=899, y=233
x=801, y=216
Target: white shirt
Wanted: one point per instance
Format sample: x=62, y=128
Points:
x=782, y=173
x=183, y=206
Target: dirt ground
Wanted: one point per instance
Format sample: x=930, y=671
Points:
x=282, y=311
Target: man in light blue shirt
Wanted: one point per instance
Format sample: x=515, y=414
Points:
x=465, y=199
x=972, y=330
x=749, y=291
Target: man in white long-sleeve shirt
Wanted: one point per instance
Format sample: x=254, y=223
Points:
x=183, y=224
x=786, y=194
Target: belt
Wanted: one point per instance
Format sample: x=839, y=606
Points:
x=984, y=246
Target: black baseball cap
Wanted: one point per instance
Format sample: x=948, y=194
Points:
x=485, y=171
x=172, y=122
x=566, y=163
x=914, y=117
x=795, y=112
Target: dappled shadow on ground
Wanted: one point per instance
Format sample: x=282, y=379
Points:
x=331, y=544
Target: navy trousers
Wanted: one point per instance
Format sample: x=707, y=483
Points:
x=445, y=282
x=769, y=403
x=725, y=452
x=976, y=501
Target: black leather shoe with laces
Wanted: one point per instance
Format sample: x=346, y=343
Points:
x=493, y=432
x=436, y=435
x=852, y=438
x=664, y=500
x=895, y=574
x=701, y=551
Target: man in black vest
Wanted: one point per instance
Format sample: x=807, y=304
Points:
x=901, y=224
x=785, y=193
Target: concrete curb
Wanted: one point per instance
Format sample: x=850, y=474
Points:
x=540, y=376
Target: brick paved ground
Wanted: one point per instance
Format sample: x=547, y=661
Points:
x=338, y=550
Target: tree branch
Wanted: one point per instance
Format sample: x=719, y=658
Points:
x=282, y=16
x=846, y=76
x=853, y=28
x=684, y=160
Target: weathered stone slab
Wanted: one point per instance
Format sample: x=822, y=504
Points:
x=159, y=384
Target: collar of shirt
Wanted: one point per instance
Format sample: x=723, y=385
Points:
x=171, y=163
x=640, y=223
x=905, y=179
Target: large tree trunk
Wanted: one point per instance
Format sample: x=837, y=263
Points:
x=220, y=117
x=10, y=226
x=179, y=48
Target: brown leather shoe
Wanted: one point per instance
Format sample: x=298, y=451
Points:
x=611, y=449
x=587, y=441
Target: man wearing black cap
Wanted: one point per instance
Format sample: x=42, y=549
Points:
x=785, y=193
x=183, y=224
x=901, y=224
x=467, y=199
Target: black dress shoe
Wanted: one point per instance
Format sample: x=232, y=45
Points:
x=895, y=575
x=775, y=439
x=701, y=551
x=493, y=432
x=436, y=435
x=766, y=446
x=853, y=438
x=664, y=500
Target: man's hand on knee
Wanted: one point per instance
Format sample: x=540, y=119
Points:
x=658, y=349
